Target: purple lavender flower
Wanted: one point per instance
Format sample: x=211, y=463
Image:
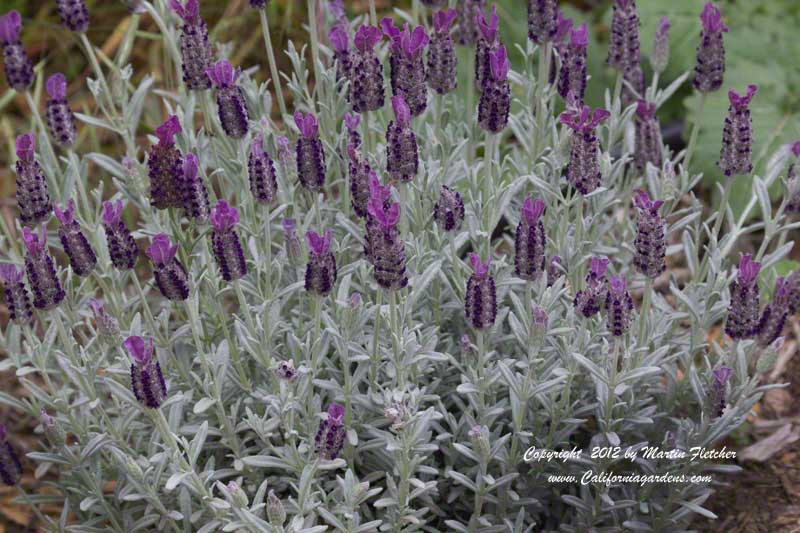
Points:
x=721, y=377
x=449, y=210
x=542, y=20
x=33, y=196
x=310, y=156
x=197, y=54
x=380, y=195
x=360, y=174
x=294, y=249
x=792, y=175
x=434, y=3
x=554, y=270
x=171, y=277
x=107, y=326
x=121, y=245
x=165, y=167
x=340, y=42
x=82, y=258
x=442, y=62
x=480, y=303
x=147, y=380
x=74, y=15
x=387, y=251
x=564, y=29
x=195, y=195
x=650, y=242
x=259, y=4
x=709, y=71
x=583, y=171
x=623, y=48
x=225, y=242
x=41, y=271
x=737, y=135
x=285, y=371
x=407, y=64
x=366, y=92
x=231, y=105
x=530, y=241
x=60, y=120
x=19, y=68
x=487, y=44
x=648, y=136
x=592, y=298
x=572, y=78
x=402, y=157
x=17, y=299
x=321, y=270
x=467, y=30
x=660, y=56
x=773, y=319
x=261, y=171
x=352, y=121
x=618, y=306
x=742, y=322
x=329, y=440
x=10, y=465
x=495, y=102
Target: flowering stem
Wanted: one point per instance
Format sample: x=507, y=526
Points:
x=644, y=310
x=273, y=66
x=616, y=107
x=34, y=508
x=55, y=182
x=726, y=193
x=543, y=76
x=612, y=384
x=268, y=251
x=312, y=28
x=396, y=340
x=376, y=322
x=244, y=307
x=488, y=156
x=695, y=131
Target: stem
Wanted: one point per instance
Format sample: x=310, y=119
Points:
x=396, y=339
x=76, y=165
x=488, y=156
x=717, y=224
x=268, y=251
x=90, y=53
x=612, y=383
x=695, y=131
x=273, y=66
x=376, y=322
x=312, y=28
x=244, y=307
x=643, y=312
x=541, y=82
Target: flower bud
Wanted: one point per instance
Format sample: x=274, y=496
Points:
x=147, y=381
x=618, y=306
x=261, y=171
x=737, y=135
x=165, y=167
x=329, y=440
x=60, y=119
x=591, y=299
x=82, y=258
x=710, y=68
x=407, y=65
x=402, y=156
x=225, y=242
x=572, y=78
x=171, y=277
x=33, y=196
x=583, y=171
x=17, y=299
x=276, y=514
x=197, y=54
x=660, y=56
x=41, y=271
x=121, y=245
x=74, y=15
x=495, y=102
x=366, y=76
x=530, y=241
x=321, y=268
x=480, y=301
x=651, y=242
x=442, y=62
x=542, y=20
x=742, y=321
x=231, y=104
x=449, y=210
x=310, y=155
x=467, y=30
x=623, y=47
x=10, y=465
x=18, y=67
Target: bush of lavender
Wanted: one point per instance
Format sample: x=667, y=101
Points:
x=378, y=310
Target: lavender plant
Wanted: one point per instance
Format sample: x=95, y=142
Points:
x=397, y=372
